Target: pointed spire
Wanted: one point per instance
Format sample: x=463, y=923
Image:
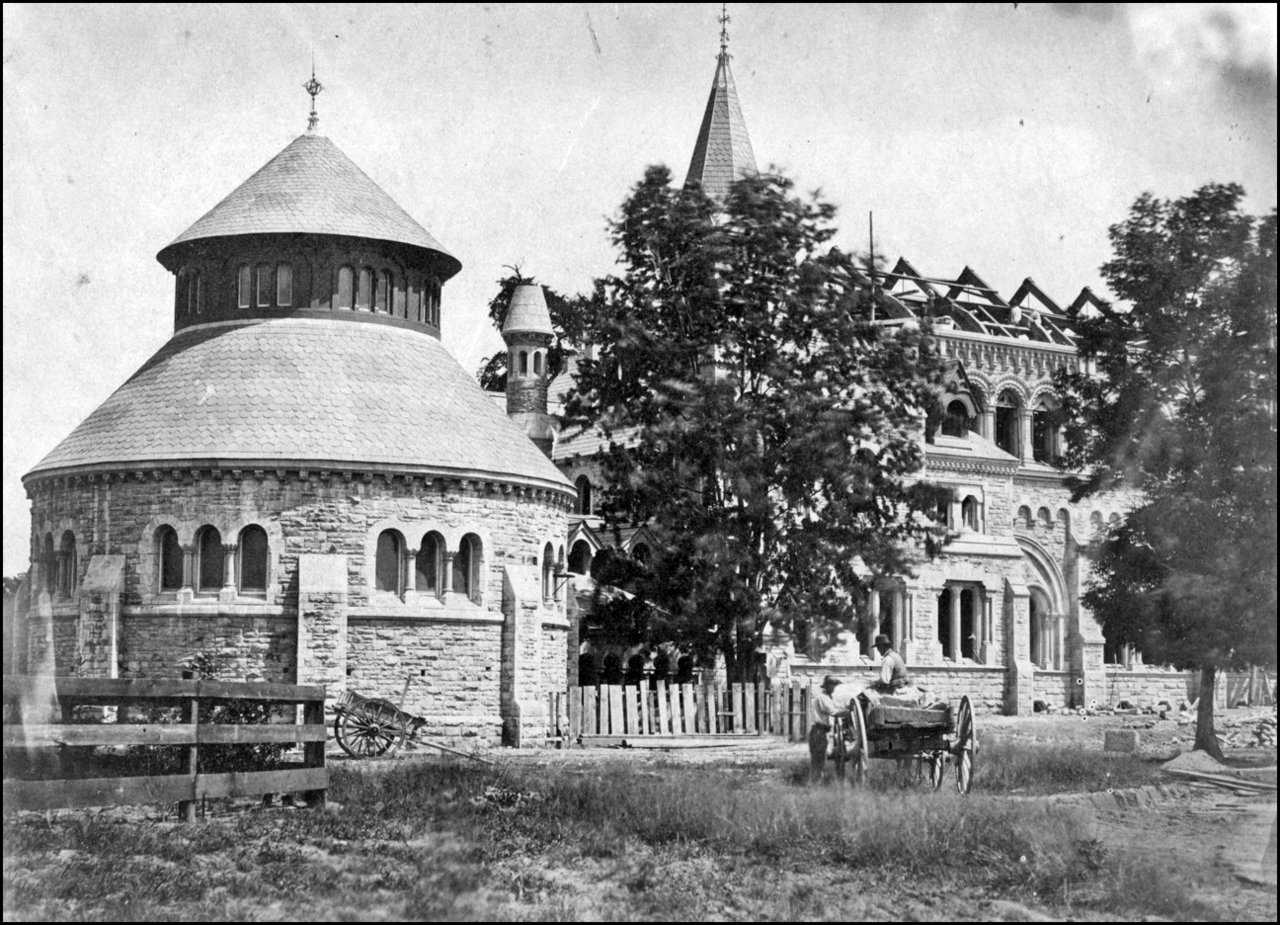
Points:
x=313, y=87
x=722, y=153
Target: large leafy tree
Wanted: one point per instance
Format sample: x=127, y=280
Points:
x=569, y=316
x=766, y=432
x=1179, y=405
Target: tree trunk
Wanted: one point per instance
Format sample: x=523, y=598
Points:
x=1206, y=739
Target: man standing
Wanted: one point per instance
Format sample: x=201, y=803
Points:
x=821, y=709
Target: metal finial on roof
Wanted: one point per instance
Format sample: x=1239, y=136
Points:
x=724, y=28
x=313, y=87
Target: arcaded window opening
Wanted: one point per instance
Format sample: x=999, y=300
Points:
x=170, y=559
x=284, y=285
x=209, y=560
x=427, y=566
x=346, y=277
x=583, y=485
x=387, y=564
x=364, y=293
x=1008, y=409
x=253, y=552
x=244, y=283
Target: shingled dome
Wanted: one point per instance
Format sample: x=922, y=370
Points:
x=304, y=391
x=311, y=187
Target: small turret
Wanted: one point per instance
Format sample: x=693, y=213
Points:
x=528, y=334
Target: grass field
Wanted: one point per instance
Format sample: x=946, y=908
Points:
x=613, y=841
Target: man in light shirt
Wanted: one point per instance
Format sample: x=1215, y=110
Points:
x=831, y=701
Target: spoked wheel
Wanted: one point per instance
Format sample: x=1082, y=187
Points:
x=937, y=766
x=965, y=747
x=368, y=730
x=840, y=747
x=858, y=753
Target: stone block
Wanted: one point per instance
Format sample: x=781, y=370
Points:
x=1120, y=740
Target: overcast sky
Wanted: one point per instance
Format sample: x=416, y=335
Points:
x=1006, y=137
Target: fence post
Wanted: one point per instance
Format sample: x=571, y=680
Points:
x=313, y=752
x=191, y=761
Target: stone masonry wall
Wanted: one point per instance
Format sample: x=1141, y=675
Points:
x=453, y=671
x=1147, y=688
x=451, y=647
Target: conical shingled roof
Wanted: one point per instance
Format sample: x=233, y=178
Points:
x=312, y=187
x=723, y=152
x=304, y=391
x=528, y=312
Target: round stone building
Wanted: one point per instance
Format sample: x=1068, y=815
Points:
x=303, y=485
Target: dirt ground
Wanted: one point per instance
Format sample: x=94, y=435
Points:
x=1230, y=839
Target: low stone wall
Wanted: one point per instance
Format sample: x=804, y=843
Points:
x=984, y=686
x=453, y=669
x=1146, y=688
x=242, y=647
x=1055, y=688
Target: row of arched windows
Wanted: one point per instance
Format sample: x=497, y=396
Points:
x=520, y=362
x=962, y=417
x=214, y=566
x=271, y=285
x=1043, y=519
x=434, y=570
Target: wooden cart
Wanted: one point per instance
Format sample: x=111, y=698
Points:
x=923, y=739
x=367, y=727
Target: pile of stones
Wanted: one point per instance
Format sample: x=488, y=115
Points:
x=1249, y=733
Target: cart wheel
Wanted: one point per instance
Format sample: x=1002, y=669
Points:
x=839, y=747
x=937, y=767
x=366, y=733
x=858, y=752
x=966, y=745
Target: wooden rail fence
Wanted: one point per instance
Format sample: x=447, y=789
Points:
x=668, y=709
x=187, y=787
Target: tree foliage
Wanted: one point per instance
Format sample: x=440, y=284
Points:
x=1180, y=405
x=765, y=431
x=569, y=316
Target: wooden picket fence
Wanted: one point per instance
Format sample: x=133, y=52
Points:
x=670, y=709
x=310, y=777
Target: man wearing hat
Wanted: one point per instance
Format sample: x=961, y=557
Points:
x=893, y=670
x=833, y=700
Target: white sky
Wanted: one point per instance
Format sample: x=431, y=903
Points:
x=1000, y=136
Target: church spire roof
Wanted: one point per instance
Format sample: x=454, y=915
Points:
x=723, y=152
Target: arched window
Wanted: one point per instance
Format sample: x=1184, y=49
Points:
x=1044, y=518
x=537, y=362
x=580, y=558
x=956, y=423
x=284, y=285
x=548, y=572
x=244, y=283
x=387, y=566
x=50, y=564
x=252, y=568
x=1008, y=407
x=433, y=302
x=67, y=564
x=198, y=294
x=524, y=363
x=1023, y=518
x=397, y=295
x=1063, y=522
x=1044, y=431
x=364, y=292
x=345, y=286
x=969, y=513
x=583, y=485
x=170, y=559
x=415, y=300
x=426, y=570
x=1095, y=524
x=209, y=560
x=383, y=294
x=942, y=515
x=466, y=567
x=640, y=552
x=263, y=299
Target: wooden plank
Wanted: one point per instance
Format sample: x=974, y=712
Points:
x=590, y=711
x=615, y=710
x=629, y=722
x=110, y=791
x=243, y=734
x=114, y=689
x=241, y=690
x=688, y=708
x=664, y=710
x=252, y=783
x=676, y=708
x=313, y=752
x=749, y=708
x=575, y=713
x=642, y=709
x=87, y=734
